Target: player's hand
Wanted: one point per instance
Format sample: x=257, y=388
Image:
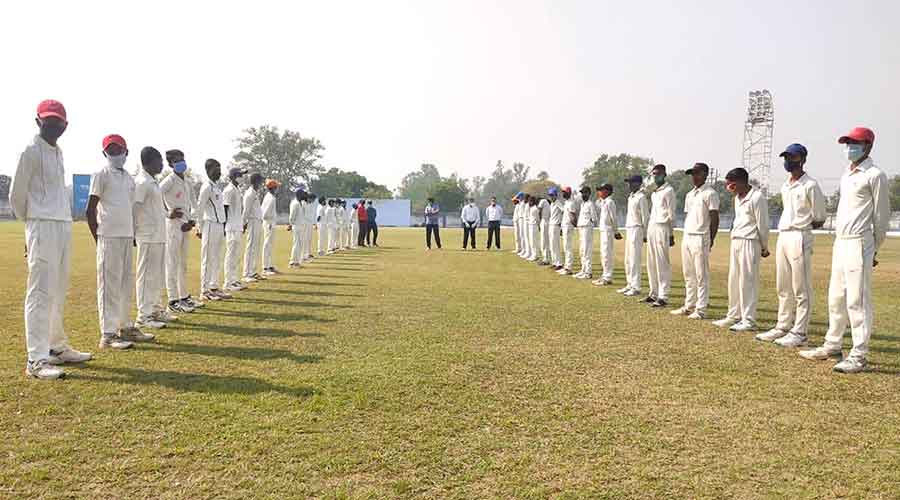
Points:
x=765, y=253
x=245, y=228
x=671, y=241
x=618, y=236
x=645, y=239
x=875, y=260
x=711, y=242
x=186, y=227
x=176, y=213
x=289, y=227
x=199, y=235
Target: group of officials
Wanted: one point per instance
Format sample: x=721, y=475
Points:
x=155, y=217
x=860, y=228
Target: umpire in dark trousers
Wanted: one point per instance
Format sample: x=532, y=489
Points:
x=470, y=218
x=494, y=214
x=372, y=232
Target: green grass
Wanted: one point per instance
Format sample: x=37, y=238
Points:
x=399, y=373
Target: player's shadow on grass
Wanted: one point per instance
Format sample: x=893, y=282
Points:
x=240, y=331
x=345, y=268
x=251, y=353
x=313, y=275
x=194, y=382
x=318, y=283
x=290, y=303
x=270, y=316
x=317, y=293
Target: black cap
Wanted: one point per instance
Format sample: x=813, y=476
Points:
x=697, y=166
x=634, y=178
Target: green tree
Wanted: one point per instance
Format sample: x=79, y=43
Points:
x=501, y=184
x=336, y=182
x=538, y=187
x=377, y=192
x=285, y=156
x=613, y=169
x=520, y=173
x=449, y=193
x=895, y=193
x=415, y=186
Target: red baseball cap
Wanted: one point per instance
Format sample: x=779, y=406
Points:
x=50, y=107
x=567, y=189
x=862, y=134
x=113, y=139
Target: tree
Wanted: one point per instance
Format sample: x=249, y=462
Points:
x=477, y=188
x=538, y=187
x=895, y=193
x=543, y=175
x=449, y=193
x=416, y=185
x=285, y=156
x=377, y=192
x=520, y=173
x=336, y=182
x=501, y=184
x=613, y=169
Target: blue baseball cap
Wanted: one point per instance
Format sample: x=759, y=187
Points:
x=553, y=191
x=520, y=195
x=794, y=149
x=634, y=178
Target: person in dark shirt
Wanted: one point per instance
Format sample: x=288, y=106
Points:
x=372, y=232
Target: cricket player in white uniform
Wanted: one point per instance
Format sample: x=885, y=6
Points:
x=348, y=225
x=309, y=208
x=212, y=232
x=295, y=226
x=749, y=242
x=253, y=228
x=178, y=198
x=234, y=229
x=660, y=237
x=110, y=219
x=587, y=220
x=322, y=225
x=544, y=207
x=569, y=224
x=863, y=217
x=532, y=229
x=554, y=227
x=340, y=218
x=150, y=236
x=38, y=197
x=269, y=224
x=701, y=223
x=637, y=218
x=609, y=229
x=804, y=210
x=354, y=225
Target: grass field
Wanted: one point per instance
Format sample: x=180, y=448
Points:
x=399, y=373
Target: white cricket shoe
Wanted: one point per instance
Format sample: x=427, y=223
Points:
x=820, y=354
x=850, y=365
x=149, y=323
x=623, y=290
x=108, y=341
x=631, y=293
x=134, y=334
x=792, y=340
x=43, y=370
x=771, y=335
x=68, y=355
x=681, y=311
x=725, y=322
x=697, y=314
x=743, y=326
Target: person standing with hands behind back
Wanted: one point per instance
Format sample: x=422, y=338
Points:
x=212, y=232
x=269, y=221
x=38, y=197
x=372, y=214
x=494, y=215
x=470, y=217
x=432, y=219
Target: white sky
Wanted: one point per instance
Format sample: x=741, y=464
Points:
x=388, y=85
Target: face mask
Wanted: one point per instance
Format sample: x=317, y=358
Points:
x=117, y=162
x=52, y=130
x=659, y=180
x=585, y=197
x=180, y=167
x=854, y=152
x=790, y=166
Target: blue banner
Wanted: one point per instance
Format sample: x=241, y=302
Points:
x=81, y=187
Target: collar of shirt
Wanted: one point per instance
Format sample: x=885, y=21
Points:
x=862, y=167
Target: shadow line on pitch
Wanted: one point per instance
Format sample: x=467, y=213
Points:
x=241, y=331
x=238, y=352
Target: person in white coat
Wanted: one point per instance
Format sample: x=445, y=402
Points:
x=309, y=209
x=571, y=208
x=296, y=219
x=554, y=228
x=660, y=238
x=637, y=218
x=38, y=197
x=150, y=237
x=803, y=210
x=331, y=226
x=353, y=214
x=234, y=229
x=269, y=224
x=587, y=220
x=608, y=225
x=211, y=204
x=863, y=218
x=701, y=223
x=532, y=229
x=470, y=218
x=110, y=219
x=178, y=197
x=253, y=229
x=544, y=246
x=749, y=242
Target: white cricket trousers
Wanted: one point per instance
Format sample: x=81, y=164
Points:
x=695, y=263
x=268, y=243
x=534, y=238
x=151, y=266
x=634, y=247
x=555, y=258
x=234, y=240
x=177, y=244
x=306, y=242
x=545, y=241
x=793, y=279
x=251, y=250
x=211, y=255
x=568, y=233
x=49, y=245
x=659, y=265
x=586, y=239
x=526, y=246
x=115, y=282
x=850, y=294
x=332, y=237
x=743, y=280
x=354, y=234
x=606, y=253
x=322, y=238
x=296, y=244
x=518, y=236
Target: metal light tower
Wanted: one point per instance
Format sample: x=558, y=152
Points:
x=758, y=131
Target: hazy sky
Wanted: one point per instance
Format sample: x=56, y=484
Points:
x=388, y=85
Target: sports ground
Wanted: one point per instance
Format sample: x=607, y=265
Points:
x=395, y=372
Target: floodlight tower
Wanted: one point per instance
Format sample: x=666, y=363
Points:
x=758, y=131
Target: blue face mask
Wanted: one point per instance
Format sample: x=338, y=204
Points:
x=854, y=152
x=179, y=167
x=790, y=166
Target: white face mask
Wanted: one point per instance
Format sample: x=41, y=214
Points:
x=117, y=162
x=854, y=152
